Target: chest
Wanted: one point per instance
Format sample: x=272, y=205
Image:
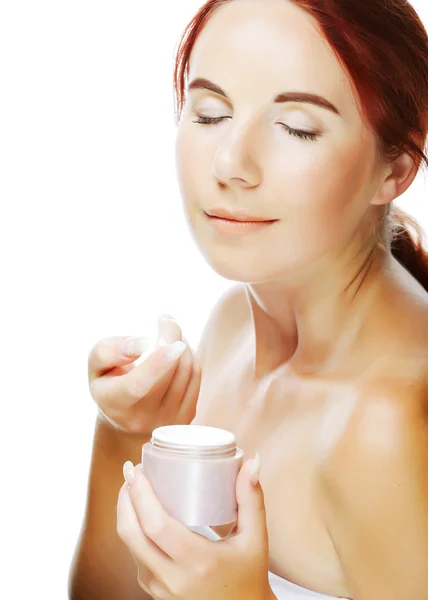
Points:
x=293, y=425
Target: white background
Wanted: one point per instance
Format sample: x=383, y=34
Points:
x=93, y=243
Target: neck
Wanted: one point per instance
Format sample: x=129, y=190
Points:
x=311, y=321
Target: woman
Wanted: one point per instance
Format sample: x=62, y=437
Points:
x=307, y=115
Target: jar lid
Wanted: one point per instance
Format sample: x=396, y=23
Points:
x=201, y=439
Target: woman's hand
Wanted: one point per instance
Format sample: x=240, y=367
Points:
x=176, y=563
x=136, y=393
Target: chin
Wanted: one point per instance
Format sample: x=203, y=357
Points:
x=239, y=267
x=240, y=259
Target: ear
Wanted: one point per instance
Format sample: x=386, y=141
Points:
x=399, y=175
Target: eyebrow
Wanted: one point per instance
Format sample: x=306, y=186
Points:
x=201, y=83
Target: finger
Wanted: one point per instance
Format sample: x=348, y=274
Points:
x=169, y=329
x=145, y=552
x=168, y=332
x=154, y=373
x=169, y=535
x=115, y=351
x=173, y=395
x=251, y=522
x=187, y=411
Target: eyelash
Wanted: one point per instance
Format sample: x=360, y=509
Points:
x=296, y=132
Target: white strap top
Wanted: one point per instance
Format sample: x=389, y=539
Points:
x=282, y=588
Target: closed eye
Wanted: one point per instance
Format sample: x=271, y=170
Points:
x=306, y=135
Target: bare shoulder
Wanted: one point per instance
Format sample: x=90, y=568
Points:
x=389, y=401
x=394, y=377
x=374, y=484
x=389, y=413
x=383, y=445
x=225, y=320
x=374, y=477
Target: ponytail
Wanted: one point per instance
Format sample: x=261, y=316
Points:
x=408, y=249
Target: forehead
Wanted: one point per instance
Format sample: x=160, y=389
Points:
x=258, y=48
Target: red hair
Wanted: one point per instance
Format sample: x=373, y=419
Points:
x=383, y=46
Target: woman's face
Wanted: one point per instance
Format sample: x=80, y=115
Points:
x=320, y=191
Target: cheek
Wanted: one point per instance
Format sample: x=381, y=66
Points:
x=191, y=168
x=321, y=190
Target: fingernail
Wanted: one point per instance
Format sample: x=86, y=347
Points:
x=135, y=346
x=166, y=335
x=175, y=350
x=255, y=471
x=128, y=472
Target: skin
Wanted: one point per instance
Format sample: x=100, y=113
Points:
x=327, y=207
x=175, y=563
x=309, y=367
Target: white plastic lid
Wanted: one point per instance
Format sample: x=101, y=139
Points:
x=194, y=435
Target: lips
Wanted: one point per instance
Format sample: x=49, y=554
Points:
x=245, y=218
x=230, y=227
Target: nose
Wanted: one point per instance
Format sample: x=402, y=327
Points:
x=234, y=162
